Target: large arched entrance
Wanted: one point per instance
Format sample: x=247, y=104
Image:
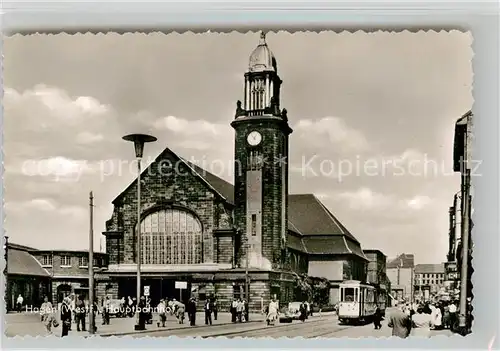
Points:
x=171, y=236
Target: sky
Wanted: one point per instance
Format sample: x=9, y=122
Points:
x=373, y=118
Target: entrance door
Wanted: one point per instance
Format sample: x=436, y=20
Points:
x=63, y=290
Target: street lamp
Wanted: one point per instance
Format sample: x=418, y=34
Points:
x=139, y=140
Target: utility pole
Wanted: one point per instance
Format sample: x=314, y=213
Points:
x=91, y=266
x=462, y=319
x=247, y=277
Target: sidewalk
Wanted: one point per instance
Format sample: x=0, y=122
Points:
x=125, y=326
x=29, y=324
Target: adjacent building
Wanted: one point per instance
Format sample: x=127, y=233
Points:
x=462, y=163
x=68, y=270
x=377, y=273
x=34, y=274
x=202, y=236
x=429, y=280
x=24, y=276
x=400, y=272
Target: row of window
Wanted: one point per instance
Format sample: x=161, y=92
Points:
x=429, y=282
x=65, y=261
x=430, y=275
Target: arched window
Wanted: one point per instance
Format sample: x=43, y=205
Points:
x=171, y=236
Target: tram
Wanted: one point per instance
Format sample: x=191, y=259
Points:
x=358, y=302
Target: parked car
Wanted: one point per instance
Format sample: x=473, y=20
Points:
x=116, y=309
x=294, y=309
x=285, y=316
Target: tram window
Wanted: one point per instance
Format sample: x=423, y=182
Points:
x=349, y=295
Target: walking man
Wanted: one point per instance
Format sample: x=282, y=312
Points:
x=214, y=308
x=377, y=318
x=208, y=312
x=80, y=312
x=234, y=306
x=452, y=310
x=65, y=316
x=400, y=322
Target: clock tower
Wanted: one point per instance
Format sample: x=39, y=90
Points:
x=261, y=165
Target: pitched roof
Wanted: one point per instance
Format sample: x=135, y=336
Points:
x=307, y=216
x=429, y=268
x=402, y=261
x=21, y=262
x=21, y=247
x=222, y=186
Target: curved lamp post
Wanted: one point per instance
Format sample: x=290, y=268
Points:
x=139, y=140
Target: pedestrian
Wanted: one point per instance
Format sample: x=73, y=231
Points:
x=208, y=312
x=421, y=323
x=234, y=306
x=65, y=316
x=240, y=308
x=19, y=303
x=134, y=306
x=400, y=323
x=162, y=313
x=73, y=299
x=272, y=314
x=303, y=312
x=191, y=310
x=377, y=318
x=436, y=317
x=452, y=309
x=246, y=311
x=446, y=316
x=308, y=309
x=105, y=310
x=214, y=308
x=47, y=314
x=80, y=312
x=141, y=308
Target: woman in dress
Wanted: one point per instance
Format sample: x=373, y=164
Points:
x=272, y=315
x=47, y=314
x=421, y=323
x=436, y=317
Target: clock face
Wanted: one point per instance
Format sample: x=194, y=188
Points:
x=254, y=138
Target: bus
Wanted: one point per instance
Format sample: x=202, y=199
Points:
x=358, y=302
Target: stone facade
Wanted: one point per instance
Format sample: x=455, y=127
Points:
x=168, y=182
x=274, y=133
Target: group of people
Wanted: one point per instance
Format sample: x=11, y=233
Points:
x=419, y=319
x=239, y=310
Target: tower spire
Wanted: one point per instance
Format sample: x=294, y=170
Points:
x=262, y=37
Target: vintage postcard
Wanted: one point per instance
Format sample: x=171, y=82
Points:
x=260, y=184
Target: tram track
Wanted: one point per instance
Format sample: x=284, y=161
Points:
x=284, y=330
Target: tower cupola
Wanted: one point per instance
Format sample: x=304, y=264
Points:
x=262, y=84
x=262, y=58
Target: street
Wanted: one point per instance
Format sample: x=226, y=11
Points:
x=324, y=326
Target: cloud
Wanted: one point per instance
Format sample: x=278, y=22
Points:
x=368, y=200
x=332, y=131
x=88, y=138
x=55, y=168
x=191, y=128
x=65, y=108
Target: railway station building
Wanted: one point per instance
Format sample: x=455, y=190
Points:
x=206, y=233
